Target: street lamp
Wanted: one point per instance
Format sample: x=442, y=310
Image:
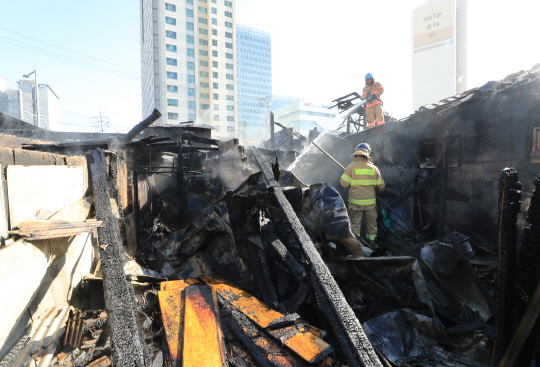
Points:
x=37, y=94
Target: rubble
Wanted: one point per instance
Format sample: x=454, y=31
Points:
x=204, y=254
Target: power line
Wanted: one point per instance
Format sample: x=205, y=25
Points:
x=62, y=48
x=67, y=58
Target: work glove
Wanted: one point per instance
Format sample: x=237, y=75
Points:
x=373, y=96
x=369, y=97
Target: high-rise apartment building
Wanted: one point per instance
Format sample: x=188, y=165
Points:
x=188, y=62
x=254, y=80
x=21, y=104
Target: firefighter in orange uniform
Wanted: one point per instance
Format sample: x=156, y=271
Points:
x=365, y=181
x=372, y=92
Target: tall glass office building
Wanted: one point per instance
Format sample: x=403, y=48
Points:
x=254, y=76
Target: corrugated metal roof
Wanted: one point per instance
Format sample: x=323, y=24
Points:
x=16, y=142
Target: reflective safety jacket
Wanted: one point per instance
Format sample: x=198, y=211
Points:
x=365, y=181
x=376, y=89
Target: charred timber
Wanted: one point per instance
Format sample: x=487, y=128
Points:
x=128, y=348
x=346, y=326
x=428, y=180
x=141, y=126
x=528, y=271
x=509, y=207
x=199, y=139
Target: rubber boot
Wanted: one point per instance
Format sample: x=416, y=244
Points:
x=372, y=244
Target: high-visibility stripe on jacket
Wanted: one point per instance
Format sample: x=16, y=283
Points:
x=364, y=180
x=374, y=89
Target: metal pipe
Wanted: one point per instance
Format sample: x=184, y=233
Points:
x=328, y=155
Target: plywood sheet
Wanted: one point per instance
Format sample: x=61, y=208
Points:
x=37, y=192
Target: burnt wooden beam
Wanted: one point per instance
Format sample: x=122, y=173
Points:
x=128, y=348
x=199, y=139
x=428, y=180
x=137, y=129
x=444, y=189
x=346, y=326
x=279, y=249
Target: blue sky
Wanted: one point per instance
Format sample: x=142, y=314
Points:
x=319, y=49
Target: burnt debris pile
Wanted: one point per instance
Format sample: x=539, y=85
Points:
x=210, y=253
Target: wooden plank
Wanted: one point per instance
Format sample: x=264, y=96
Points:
x=522, y=333
x=172, y=311
x=203, y=336
x=304, y=343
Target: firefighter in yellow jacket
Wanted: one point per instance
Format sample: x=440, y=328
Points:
x=365, y=181
x=372, y=92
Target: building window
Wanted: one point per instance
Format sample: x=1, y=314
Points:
x=171, y=62
x=171, y=48
x=214, y=10
x=216, y=107
x=203, y=74
x=215, y=96
x=215, y=85
x=229, y=76
x=230, y=87
x=216, y=117
x=203, y=10
x=230, y=118
x=216, y=128
x=205, y=96
x=214, y=32
x=203, y=42
x=170, y=7
x=230, y=98
x=229, y=56
x=190, y=39
x=228, y=34
x=214, y=21
x=191, y=117
x=190, y=52
x=170, y=21
x=214, y=1
x=189, y=26
x=190, y=65
x=203, y=1
x=215, y=74
x=215, y=64
x=228, y=14
x=203, y=21
x=203, y=63
x=228, y=45
x=191, y=105
x=203, y=31
x=172, y=102
x=214, y=42
x=230, y=108
x=203, y=52
x=228, y=3
x=191, y=92
x=171, y=75
x=170, y=34
x=229, y=66
x=189, y=13
x=204, y=106
x=172, y=115
x=204, y=84
x=228, y=24
x=191, y=79
x=214, y=53
x=230, y=129
x=172, y=89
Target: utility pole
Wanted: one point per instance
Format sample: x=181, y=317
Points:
x=37, y=95
x=100, y=119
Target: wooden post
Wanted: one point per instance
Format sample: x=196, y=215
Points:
x=181, y=186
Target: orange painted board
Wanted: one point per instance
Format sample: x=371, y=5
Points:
x=171, y=306
x=304, y=343
x=250, y=306
x=203, y=337
x=308, y=346
x=181, y=284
